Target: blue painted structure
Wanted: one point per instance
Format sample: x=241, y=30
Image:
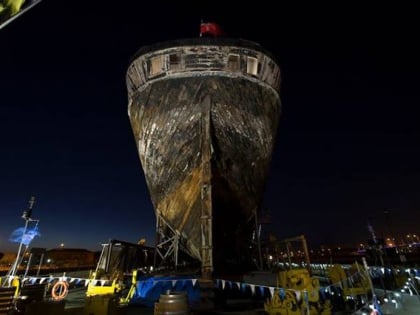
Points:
x=149, y=289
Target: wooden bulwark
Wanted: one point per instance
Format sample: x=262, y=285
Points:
x=6, y=300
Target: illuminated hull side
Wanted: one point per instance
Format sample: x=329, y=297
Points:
x=204, y=113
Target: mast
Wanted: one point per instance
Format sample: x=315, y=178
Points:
x=27, y=216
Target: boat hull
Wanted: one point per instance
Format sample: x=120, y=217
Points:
x=205, y=142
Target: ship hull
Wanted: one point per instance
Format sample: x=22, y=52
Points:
x=205, y=143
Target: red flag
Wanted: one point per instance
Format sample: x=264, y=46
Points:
x=210, y=29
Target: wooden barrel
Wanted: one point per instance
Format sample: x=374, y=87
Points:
x=172, y=303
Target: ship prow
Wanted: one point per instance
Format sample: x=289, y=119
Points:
x=204, y=113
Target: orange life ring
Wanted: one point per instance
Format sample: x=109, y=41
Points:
x=59, y=290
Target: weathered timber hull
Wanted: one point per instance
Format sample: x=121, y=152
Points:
x=205, y=140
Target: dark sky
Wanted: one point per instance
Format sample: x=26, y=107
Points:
x=348, y=146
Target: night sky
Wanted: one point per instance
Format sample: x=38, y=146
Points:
x=348, y=146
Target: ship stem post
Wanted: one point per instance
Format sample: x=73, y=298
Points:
x=206, y=190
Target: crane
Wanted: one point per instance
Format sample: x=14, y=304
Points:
x=12, y=9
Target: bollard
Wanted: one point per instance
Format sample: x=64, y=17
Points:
x=172, y=303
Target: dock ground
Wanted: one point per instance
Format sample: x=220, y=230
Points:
x=76, y=304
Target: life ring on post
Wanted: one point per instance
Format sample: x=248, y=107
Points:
x=59, y=290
